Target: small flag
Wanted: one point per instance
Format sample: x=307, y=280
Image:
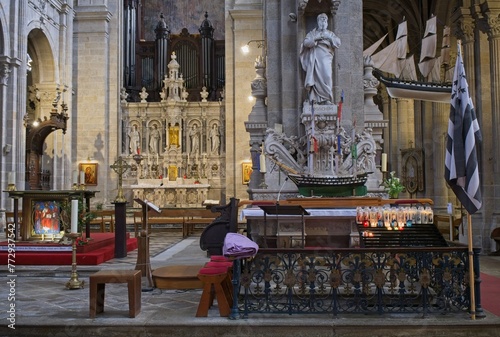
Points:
x=461, y=166
x=315, y=144
x=339, y=145
x=339, y=107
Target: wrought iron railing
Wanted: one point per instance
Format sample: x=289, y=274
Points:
x=344, y=281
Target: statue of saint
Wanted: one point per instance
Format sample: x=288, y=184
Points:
x=215, y=139
x=154, y=139
x=135, y=141
x=194, y=134
x=316, y=57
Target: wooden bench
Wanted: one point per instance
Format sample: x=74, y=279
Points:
x=177, y=277
x=103, y=218
x=442, y=222
x=495, y=235
x=98, y=282
x=195, y=217
x=187, y=218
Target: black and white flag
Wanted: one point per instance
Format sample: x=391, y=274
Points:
x=461, y=166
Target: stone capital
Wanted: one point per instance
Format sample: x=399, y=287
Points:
x=4, y=73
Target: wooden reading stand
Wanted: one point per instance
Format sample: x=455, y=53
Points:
x=143, y=262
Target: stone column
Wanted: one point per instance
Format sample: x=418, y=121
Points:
x=257, y=123
x=494, y=44
x=374, y=118
x=406, y=133
x=440, y=117
x=491, y=12
x=17, y=92
x=386, y=100
x=4, y=125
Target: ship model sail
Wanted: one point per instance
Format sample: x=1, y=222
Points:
x=394, y=60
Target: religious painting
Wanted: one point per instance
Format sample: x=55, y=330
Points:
x=90, y=173
x=173, y=135
x=246, y=172
x=46, y=217
x=412, y=173
x=172, y=173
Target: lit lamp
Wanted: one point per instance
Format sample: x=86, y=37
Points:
x=246, y=48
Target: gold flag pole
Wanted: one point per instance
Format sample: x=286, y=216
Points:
x=471, y=269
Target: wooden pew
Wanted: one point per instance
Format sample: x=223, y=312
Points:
x=195, y=217
x=187, y=218
x=103, y=218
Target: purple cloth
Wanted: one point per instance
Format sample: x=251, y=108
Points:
x=239, y=246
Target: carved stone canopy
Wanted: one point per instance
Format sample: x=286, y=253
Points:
x=36, y=135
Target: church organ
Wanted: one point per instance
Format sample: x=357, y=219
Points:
x=201, y=58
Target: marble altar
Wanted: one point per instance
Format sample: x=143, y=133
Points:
x=165, y=193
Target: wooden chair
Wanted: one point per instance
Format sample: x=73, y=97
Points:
x=495, y=235
x=98, y=220
x=98, y=282
x=103, y=219
x=442, y=222
x=214, y=285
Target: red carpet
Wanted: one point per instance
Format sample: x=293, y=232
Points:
x=100, y=249
x=490, y=293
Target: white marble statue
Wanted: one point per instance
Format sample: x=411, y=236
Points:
x=135, y=141
x=154, y=139
x=194, y=134
x=316, y=56
x=215, y=139
x=144, y=95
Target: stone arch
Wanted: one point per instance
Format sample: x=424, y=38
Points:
x=41, y=79
x=42, y=99
x=3, y=35
x=40, y=51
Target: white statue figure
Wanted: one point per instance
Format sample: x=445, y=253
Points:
x=123, y=95
x=194, y=134
x=154, y=139
x=143, y=94
x=316, y=56
x=215, y=139
x=135, y=141
x=204, y=94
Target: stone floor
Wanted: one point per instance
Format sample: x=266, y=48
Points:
x=44, y=307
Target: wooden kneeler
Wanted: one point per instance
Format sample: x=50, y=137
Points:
x=214, y=284
x=227, y=284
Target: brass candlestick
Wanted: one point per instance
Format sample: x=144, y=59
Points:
x=73, y=282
